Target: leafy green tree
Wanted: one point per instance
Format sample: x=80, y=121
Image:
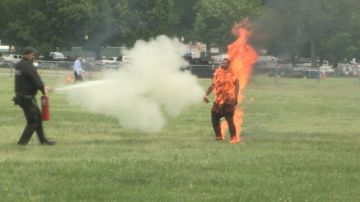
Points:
x=214, y=18
x=101, y=28
x=16, y=27
x=66, y=22
x=44, y=24
x=48, y=24
x=343, y=40
x=185, y=16
x=282, y=31
x=150, y=18
x=317, y=29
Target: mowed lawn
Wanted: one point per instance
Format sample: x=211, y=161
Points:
x=301, y=143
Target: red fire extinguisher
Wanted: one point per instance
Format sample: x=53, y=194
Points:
x=45, y=108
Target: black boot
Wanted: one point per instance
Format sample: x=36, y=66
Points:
x=48, y=142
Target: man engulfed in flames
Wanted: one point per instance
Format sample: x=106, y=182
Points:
x=226, y=89
x=229, y=83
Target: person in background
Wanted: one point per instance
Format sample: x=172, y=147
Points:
x=78, y=71
x=27, y=83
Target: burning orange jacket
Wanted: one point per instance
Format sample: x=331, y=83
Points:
x=224, y=86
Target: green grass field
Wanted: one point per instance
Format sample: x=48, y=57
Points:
x=301, y=143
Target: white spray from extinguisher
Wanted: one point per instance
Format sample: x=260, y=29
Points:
x=148, y=87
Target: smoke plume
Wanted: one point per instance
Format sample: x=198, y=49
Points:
x=144, y=90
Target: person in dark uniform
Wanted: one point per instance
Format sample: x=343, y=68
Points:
x=27, y=83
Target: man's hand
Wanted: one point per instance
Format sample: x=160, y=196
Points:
x=206, y=99
x=235, y=101
x=48, y=90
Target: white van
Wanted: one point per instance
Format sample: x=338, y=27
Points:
x=125, y=58
x=12, y=58
x=57, y=56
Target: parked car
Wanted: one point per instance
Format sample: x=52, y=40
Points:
x=12, y=58
x=109, y=60
x=325, y=68
x=217, y=59
x=3, y=64
x=57, y=56
x=125, y=58
x=348, y=69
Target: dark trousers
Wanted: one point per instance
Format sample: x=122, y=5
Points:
x=33, y=117
x=219, y=111
x=78, y=77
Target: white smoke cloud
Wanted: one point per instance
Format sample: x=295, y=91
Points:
x=149, y=86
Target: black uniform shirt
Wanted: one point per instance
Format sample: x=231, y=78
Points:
x=27, y=79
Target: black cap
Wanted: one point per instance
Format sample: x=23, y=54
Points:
x=29, y=50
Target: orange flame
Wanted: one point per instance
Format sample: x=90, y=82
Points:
x=242, y=56
x=69, y=78
x=224, y=88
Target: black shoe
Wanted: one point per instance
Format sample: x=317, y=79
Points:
x=48, y=142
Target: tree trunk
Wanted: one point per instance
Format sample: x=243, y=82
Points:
x=313, y=50
x=98, y=53
x=293, y=60
x=208, y=47
x=321, y=62
x=10, y=47
x=335, y=65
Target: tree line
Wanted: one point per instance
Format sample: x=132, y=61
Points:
x=320, y=29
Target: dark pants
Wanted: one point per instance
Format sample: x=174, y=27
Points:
x=219, y=111
x=78, y=77
x=33, y=117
